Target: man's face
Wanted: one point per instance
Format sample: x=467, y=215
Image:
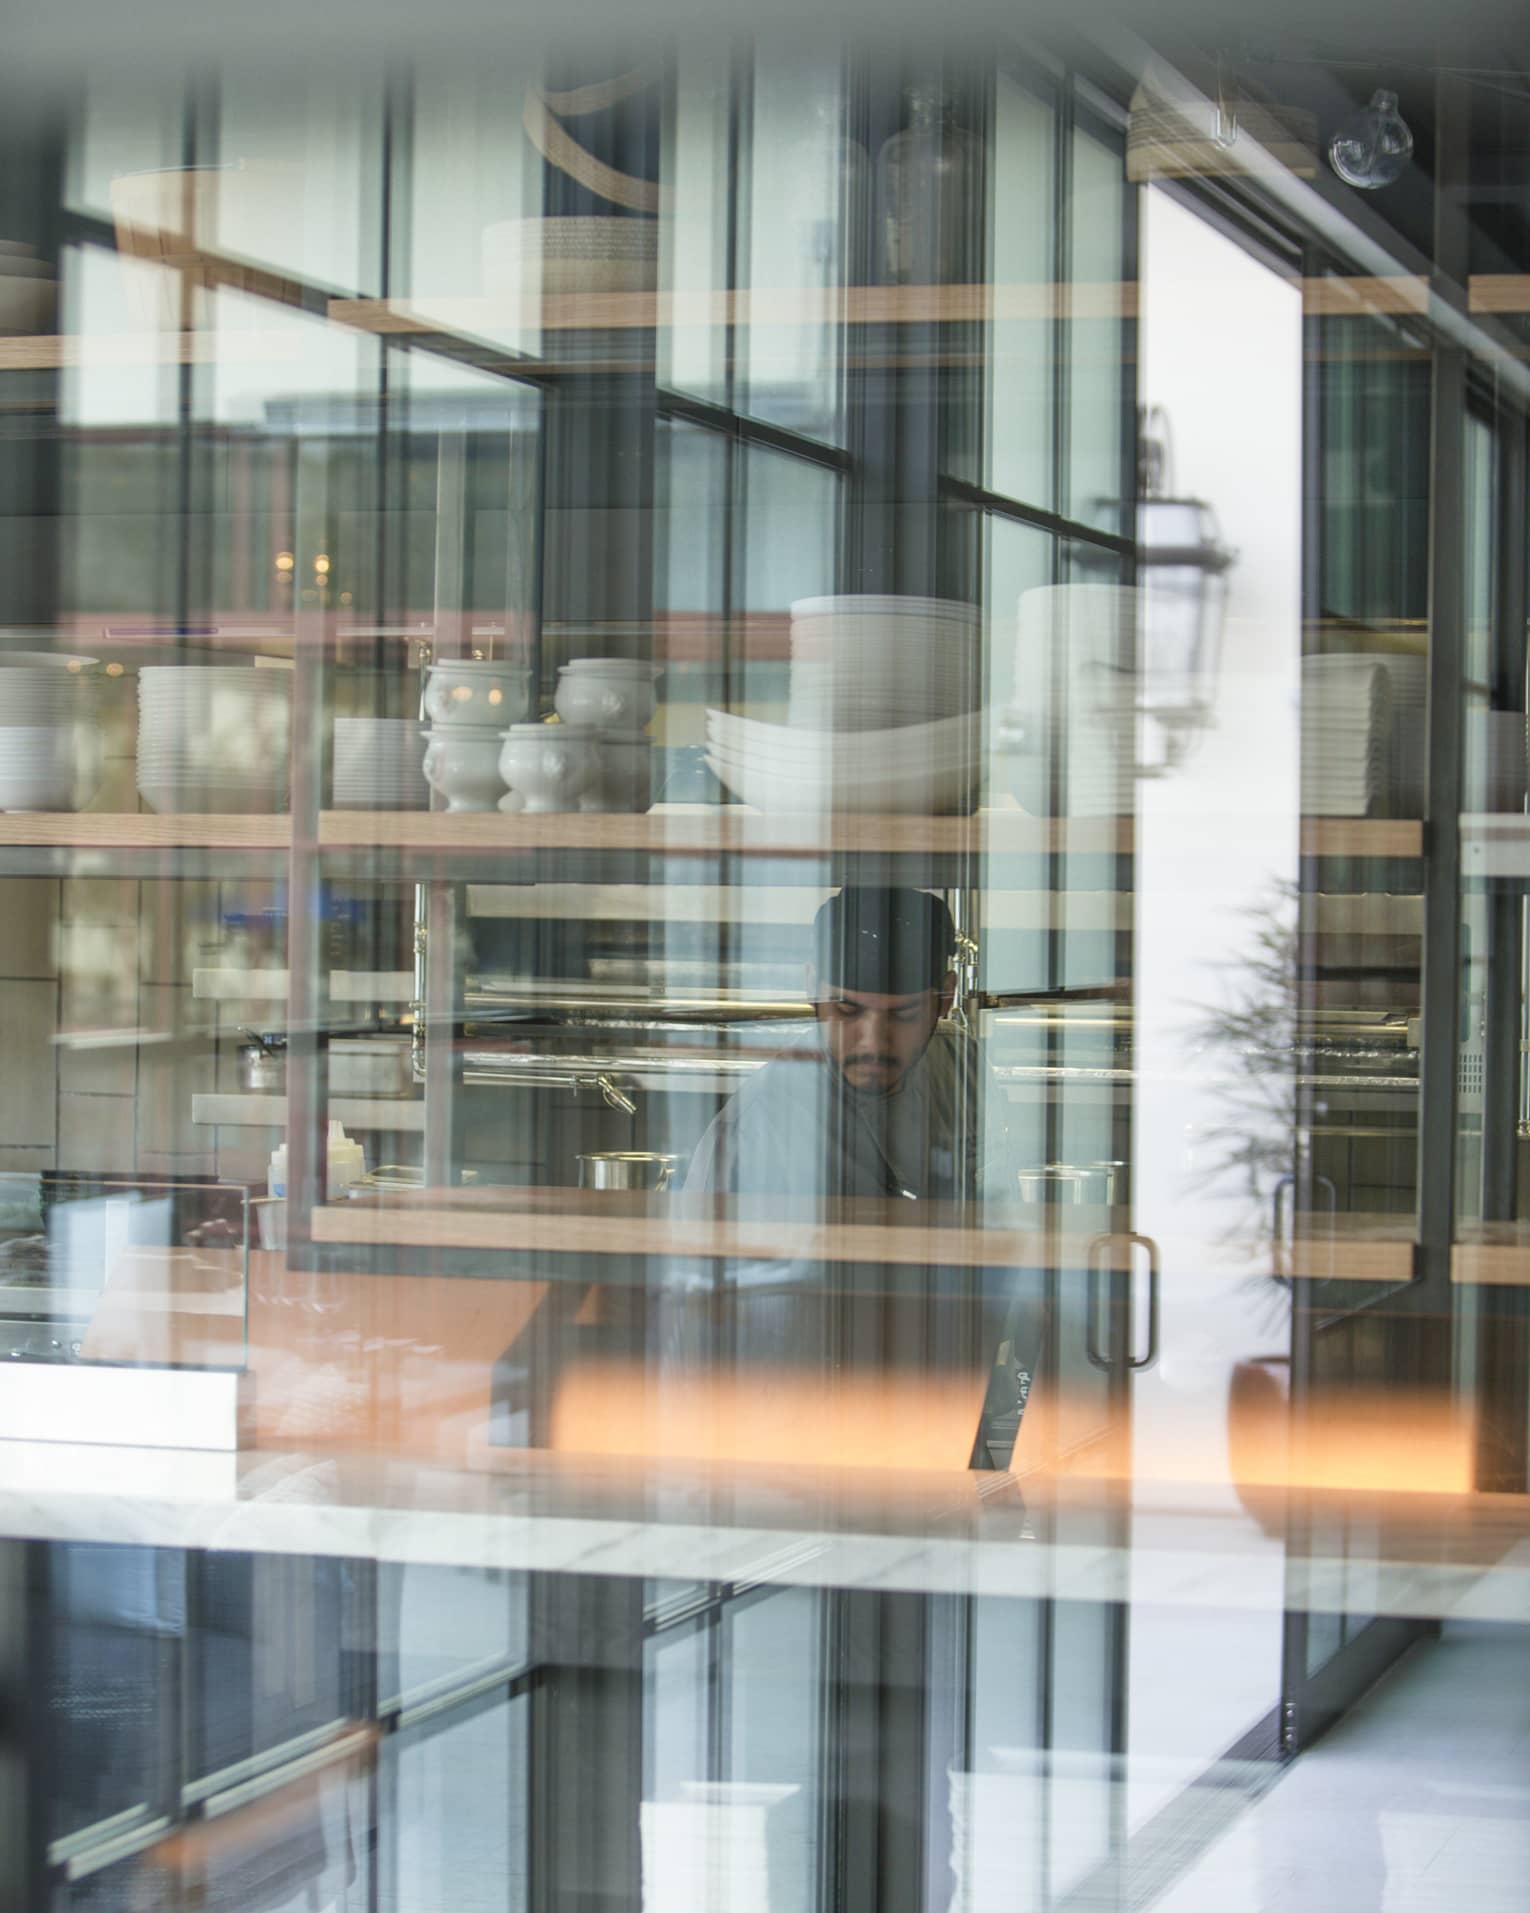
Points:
x=876, y=1040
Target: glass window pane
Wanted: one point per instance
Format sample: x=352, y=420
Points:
x=772, y=1670
x=1023, y=252
x=788, y=517
x=1099, y=388
x=809, y=186
x=676, y=1701
x=453, y=1814
x=437, y=1625
x=299, y=184
x=470, y=185
x=693, y=239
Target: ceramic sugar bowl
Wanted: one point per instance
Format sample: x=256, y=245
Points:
x=613, y=694
x=463, y=766
x=551, y=766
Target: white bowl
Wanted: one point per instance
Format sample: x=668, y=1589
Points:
x=551, y=766
x=481, y=692
x=611, y=699
x=463, y=765
x=951, y=738
x=889, y=793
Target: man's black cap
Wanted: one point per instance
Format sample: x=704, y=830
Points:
x=883, y=941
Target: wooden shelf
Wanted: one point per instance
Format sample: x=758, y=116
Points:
x=683, y=831
x=401, y=1113
x=782, y=307
x=221, y=985
x=572, y=1221
x=1492, y=1254
x=1362, y=837
x=1358, y=1248
x=724, y=829
x=1362, y=1249
x=128, y=830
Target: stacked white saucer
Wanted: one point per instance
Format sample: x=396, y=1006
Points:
x=377, y=764
x=50, y=742
x=213, y=737
x=1346, y=736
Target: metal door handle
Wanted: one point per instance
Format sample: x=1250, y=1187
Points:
x=1146, y=1361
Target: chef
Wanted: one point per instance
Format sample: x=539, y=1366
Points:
x=879, y=1099
x=882, y=1099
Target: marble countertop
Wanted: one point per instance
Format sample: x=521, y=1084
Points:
x=932, y=1532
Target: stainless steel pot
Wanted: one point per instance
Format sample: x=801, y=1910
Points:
x=1093, y=1182
x=626, y=1169
x=262, y=1068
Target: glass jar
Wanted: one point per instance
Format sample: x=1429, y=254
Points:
x=929, y=197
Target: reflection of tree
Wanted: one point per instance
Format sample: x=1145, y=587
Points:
x=1252, y=1036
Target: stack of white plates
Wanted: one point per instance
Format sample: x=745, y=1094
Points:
x=917, y=769
x=1346, y=736
x=590, y=253
x=377, y=764
x=862, y=663
x=213, y=737
x=50, y=745
x=1409, y=679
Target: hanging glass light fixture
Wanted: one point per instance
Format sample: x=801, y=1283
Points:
x=1182, y=567
x=1372, y=149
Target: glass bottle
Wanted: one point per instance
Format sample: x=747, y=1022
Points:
x=929, y=181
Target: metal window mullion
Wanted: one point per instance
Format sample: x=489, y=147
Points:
x=1440, y=1041
x=1504, y=1007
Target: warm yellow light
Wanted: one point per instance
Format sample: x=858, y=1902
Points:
x=114, y=670
x=321, y=564
x=345, y=597
x=285, y=561
x=73, y=665
x=496, y=697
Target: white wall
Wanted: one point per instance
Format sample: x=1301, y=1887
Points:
x=1222, y=353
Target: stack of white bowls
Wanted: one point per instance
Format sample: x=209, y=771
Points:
x=377, y=764
x=50, y=741
x=214, y=737
x=864, y=663
x=879, y=712
x=469, y=702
